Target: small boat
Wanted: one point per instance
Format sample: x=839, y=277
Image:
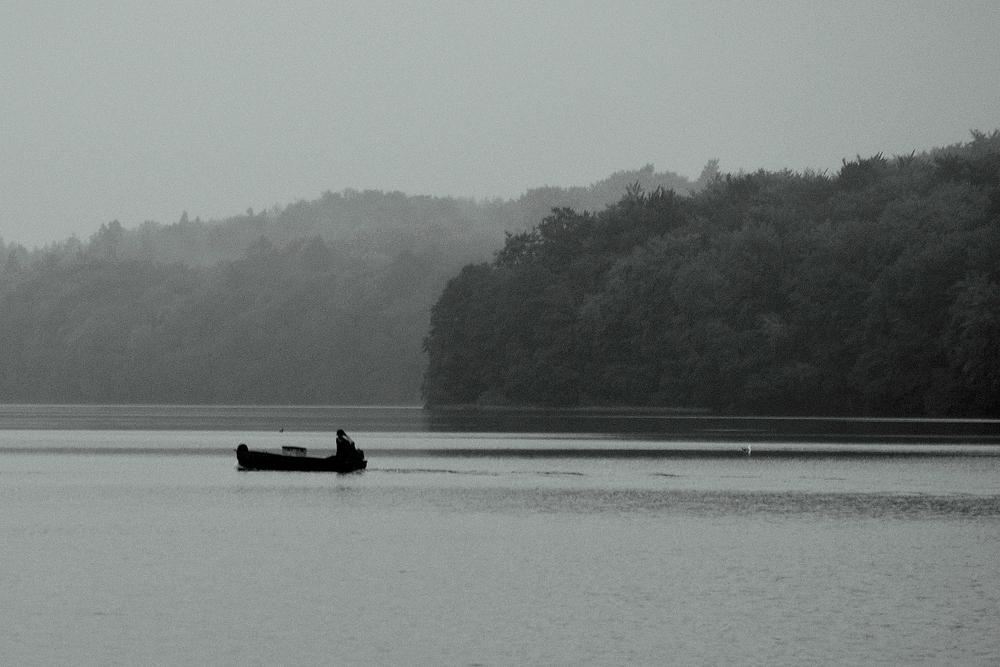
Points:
x=294, y=458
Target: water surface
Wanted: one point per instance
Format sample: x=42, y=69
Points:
x=147, y=546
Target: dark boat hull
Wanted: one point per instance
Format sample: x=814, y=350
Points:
x=251, y=460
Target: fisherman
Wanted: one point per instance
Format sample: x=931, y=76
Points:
x=346, y=449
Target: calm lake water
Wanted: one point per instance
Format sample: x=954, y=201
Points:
x=130, y=538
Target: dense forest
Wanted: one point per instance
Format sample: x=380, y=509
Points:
x=318, y=302
x=872, y=291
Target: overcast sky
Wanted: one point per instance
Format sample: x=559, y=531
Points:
x=139, y=111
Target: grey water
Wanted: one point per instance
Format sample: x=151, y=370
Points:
x=129, y=537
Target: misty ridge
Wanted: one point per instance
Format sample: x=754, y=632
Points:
x=872, y=291
x=323, y=302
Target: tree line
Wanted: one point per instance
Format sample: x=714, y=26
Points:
x=872, y=291
x=319, y=302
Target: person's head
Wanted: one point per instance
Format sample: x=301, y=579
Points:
x=340, y=431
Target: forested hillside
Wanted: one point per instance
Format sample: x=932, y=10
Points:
x=319, y=302
x=872, y=291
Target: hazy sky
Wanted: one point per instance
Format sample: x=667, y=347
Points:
x=138, y=111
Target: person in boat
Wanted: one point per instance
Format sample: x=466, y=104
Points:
x=346, y=449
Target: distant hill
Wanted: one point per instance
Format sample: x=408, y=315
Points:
x=874, y=291
x=320, y=302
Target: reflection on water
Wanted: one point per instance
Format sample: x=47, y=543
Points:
x=721, y=503
x=123, y=558
x=608, y=423
x=211, y=417
x=460, y=548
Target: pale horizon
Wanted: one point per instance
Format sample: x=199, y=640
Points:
x=114, y=111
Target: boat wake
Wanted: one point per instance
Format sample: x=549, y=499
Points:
x=440, y=471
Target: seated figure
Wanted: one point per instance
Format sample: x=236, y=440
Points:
x=346, y=449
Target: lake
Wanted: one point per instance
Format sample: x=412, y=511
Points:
x=129, y=537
